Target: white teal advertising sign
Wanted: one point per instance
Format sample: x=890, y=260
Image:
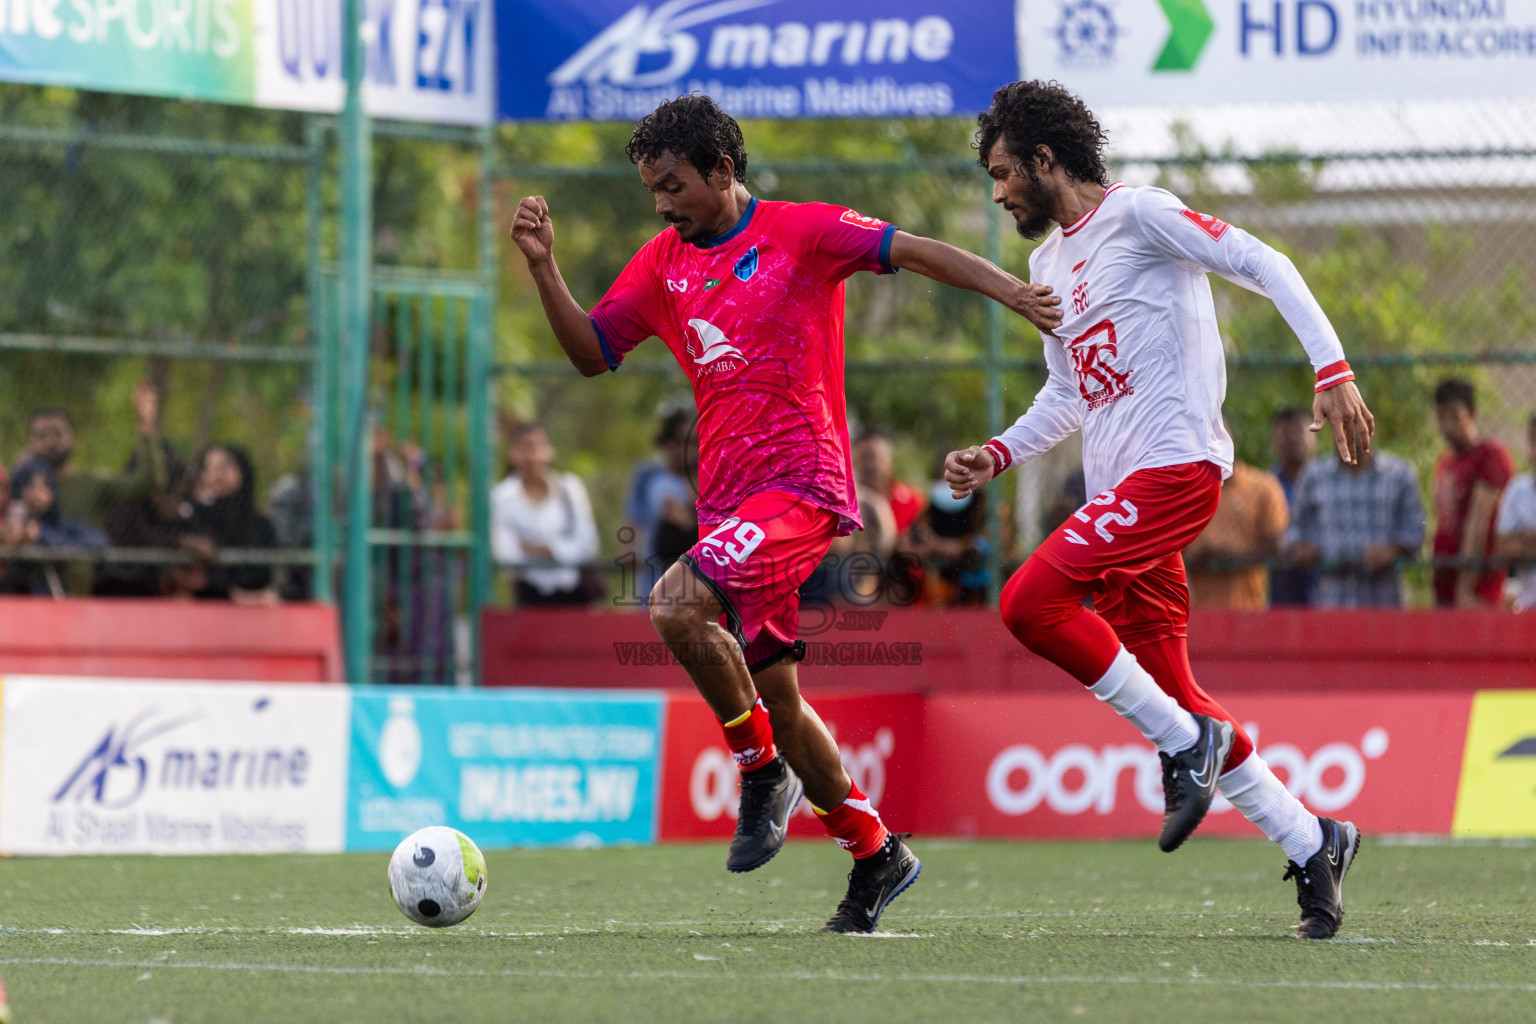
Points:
x=1189, y=52
x=507, y=768
x=427, y=60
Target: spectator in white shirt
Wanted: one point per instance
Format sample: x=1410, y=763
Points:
x=541, y=523
x=1515, y=528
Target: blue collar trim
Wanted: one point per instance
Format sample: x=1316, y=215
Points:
x=741, y=226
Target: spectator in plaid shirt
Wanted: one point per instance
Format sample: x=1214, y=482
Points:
x=1354, y=523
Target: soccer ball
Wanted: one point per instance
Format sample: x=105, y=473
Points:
x=437, y=876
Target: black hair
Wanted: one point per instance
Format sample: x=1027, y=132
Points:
x=674, y=427
x=1456, y=390
x=24, y=475
x=1290, y=414
x=1531, y=426
x=692, y=128
x=243, y=499
x=51, y=412
x=518, y=431
x=1029, y=114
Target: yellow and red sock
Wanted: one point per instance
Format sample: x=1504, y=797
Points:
x=855, y=824
x=750, y=738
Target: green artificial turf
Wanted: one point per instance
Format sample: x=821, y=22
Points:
x=991, y=932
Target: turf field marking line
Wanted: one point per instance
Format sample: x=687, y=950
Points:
x=832, y=976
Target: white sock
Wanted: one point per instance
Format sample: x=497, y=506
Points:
x=1257, y=792
x=1136, y=697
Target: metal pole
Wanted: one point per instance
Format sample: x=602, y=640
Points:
x=995, y=423
x=356, y=271
x=322, y=444
x=481, y=336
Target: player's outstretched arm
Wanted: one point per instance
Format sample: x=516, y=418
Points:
x=956, y=267
x=1353, y=425
x=968, y=470
x=534, y=234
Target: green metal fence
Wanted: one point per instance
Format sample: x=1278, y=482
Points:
x=222, y=253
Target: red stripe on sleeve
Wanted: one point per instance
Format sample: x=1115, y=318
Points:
x=1334, y=374
x=1000, y=453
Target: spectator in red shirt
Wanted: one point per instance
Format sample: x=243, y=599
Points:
x=874, y=467
x=1468, y=481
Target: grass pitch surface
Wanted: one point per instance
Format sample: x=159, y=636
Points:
x=991, y=932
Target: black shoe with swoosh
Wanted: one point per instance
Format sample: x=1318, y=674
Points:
x=872, y=884
x=1189, y=781
x=768, y=797
x=1320, y=882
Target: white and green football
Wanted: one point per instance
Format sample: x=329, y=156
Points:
x=437, y=876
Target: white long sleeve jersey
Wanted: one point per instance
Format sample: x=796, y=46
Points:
x=1137, y=362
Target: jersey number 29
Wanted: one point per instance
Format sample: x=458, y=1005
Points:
x=740, y=544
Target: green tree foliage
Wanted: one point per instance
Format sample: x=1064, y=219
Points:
x=155, y=244
x=1388, y=306
x=158, y=246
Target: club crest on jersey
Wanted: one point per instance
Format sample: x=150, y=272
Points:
x=858, y=220
x=711, y=350
x=1205, y=222
x=1093, y=357
x=746, y=266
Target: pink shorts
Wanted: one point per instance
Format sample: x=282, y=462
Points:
x=754, y=563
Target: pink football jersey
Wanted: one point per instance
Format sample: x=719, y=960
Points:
x=755, y=318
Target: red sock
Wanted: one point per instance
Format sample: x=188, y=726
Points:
x=750, y=738
x=855, y=824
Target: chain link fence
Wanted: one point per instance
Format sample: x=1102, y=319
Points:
x=187, y=244
x=1411, y=225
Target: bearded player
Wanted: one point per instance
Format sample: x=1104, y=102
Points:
x=1137, y=364
x=748, y=295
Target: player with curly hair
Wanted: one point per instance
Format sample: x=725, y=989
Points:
x=748, y=295
x=1137, y=365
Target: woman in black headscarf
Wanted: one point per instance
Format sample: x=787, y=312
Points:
x=35, y=503
x=224, y=511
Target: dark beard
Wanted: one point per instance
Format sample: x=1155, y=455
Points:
x=1034, y=227
x=1039, y=196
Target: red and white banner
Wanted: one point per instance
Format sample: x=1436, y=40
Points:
x=880, y=738
x=1067, y=767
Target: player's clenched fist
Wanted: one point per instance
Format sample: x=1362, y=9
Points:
x=968, y=470
x=532, y=229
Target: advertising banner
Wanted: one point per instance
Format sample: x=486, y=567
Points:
x=617, y=59
x=880, y=738
x=129, y=766
x=428, y=60
x=511, y=768
x=1067, y=767
x=1497, y=796
x=1189, y=52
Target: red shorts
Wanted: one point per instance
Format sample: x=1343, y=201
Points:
x=754, y=563
x=1128, y=543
